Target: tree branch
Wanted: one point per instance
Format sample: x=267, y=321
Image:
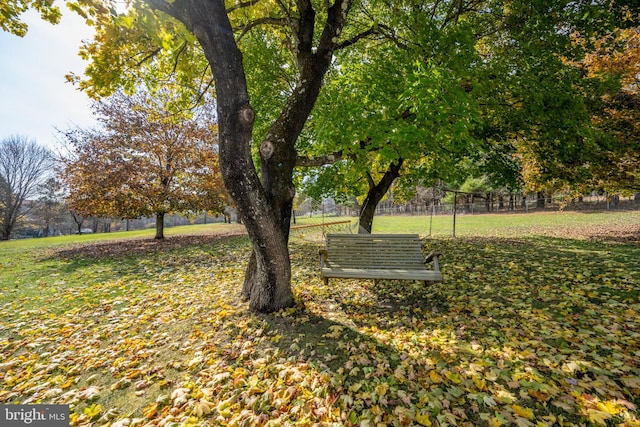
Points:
x=303, y=32
x=356, y=38
x=311, y=161
x=337, y=16
x=203, y=92
x=149, y=56
x=180, y=50
x=241, y=5
x=163, y=6
x=267, y=20
x=370, y=181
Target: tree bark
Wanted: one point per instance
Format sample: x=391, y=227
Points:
x=375, y=194
x=159, y=226
x=11, y=214
x=79, y=221
x=265, y=204
x=208, y=21
x=278, y=155
x=5, y=232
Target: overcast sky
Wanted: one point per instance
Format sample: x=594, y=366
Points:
x=34, y=95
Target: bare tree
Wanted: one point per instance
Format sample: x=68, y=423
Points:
x=23, y=168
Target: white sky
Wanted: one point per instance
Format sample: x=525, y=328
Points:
x=34, y=95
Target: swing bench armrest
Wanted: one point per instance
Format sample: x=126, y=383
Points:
x=433, y=257
x=324, y=255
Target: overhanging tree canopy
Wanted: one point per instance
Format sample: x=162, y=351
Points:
x=312, y=32
x=457, y=92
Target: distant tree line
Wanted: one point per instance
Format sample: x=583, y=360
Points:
x=35, y=201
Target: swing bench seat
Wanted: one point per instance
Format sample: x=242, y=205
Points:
x=377, y=256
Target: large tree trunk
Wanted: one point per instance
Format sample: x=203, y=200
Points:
x=208, y=21
x=264, y=207
x=159, y=226
x=10, y=218
x=375, y=194
x=5, y=226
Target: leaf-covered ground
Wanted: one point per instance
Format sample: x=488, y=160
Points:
x=527, y=331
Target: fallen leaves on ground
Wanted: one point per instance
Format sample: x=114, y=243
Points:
x=531, y=331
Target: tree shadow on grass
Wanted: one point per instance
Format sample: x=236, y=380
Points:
x=503, y=275
x=137, y=247
x=119, y=258
x=520, y=330
x=546, y=321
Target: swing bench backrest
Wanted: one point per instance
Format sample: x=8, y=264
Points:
x=377, y=256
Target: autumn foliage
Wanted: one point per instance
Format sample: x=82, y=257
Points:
x=621, y=110
x=531, y=327
x=145, y=160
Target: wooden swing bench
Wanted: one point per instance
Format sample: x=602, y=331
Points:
x=377, y=256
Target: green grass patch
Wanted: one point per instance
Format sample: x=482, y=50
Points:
x=536, y=323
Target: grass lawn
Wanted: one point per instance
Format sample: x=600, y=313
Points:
x=536, y=324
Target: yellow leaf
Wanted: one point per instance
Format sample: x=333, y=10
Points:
x=494, y=422
x=381, y=389
x=479, y=383
x=435, y=377
x=203, y=407
x=336, y=332
x=491, y=375
x=150, y=410
x=598, y=417
x=423, y=419
x=92, y=411
x=538, y=395
x=67, y=384
x=453, y=377
x=609, y=407
x=523, y=412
